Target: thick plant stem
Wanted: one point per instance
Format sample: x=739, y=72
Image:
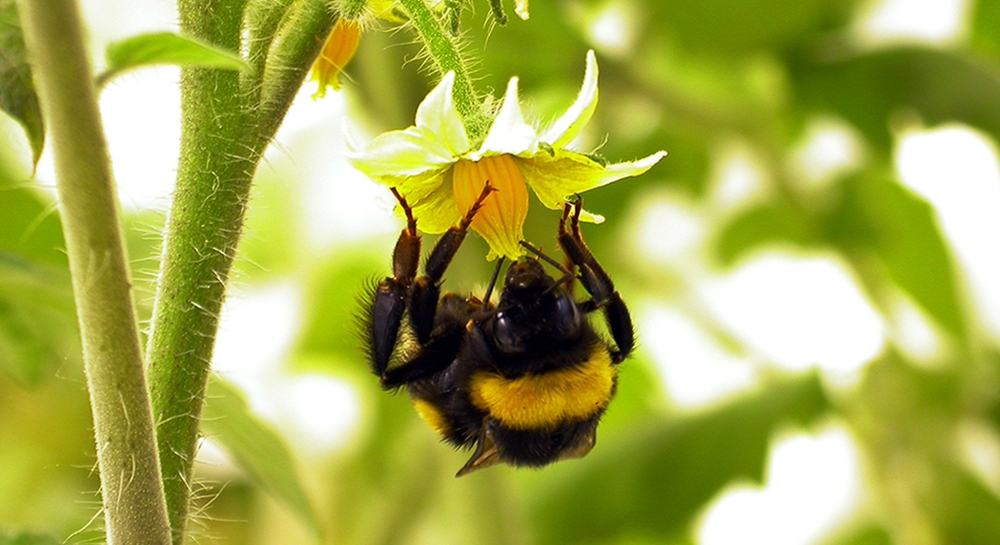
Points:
x=213, y=186
x=132, y=492
x=447, y=57
x=226, y=125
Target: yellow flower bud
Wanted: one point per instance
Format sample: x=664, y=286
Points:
x=337, y=52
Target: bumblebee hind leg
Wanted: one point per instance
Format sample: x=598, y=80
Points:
x=389, y=299
x=403, y=290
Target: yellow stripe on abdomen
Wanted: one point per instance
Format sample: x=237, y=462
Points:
x=545, y=400
x=432, y=415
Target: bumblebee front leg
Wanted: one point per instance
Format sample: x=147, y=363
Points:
x=389, y=300
x=596, y=281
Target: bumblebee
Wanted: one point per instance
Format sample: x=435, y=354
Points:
x=526, y=381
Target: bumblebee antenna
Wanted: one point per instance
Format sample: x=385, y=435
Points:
x=546, y=258
x=567, y=274
x=493, y=282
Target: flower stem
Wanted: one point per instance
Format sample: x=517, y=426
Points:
x=227, y=124
x=132, y=491
x=447, y=57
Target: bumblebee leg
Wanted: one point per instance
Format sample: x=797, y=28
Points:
x=437, y=353
x=596, y=281
x=427, y=289
x=389, y=299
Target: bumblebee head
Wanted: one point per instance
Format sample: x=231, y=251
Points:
x=525, y=278
x=533, y=309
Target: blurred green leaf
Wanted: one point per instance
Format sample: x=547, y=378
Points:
x=557, y=69
x=393, y=475
x=30, y=228
x=767, y=223
x=880, y=215
x=738, y=26
x=272, y=240
x=652, y=484
x=17, y=91
x=867, y=535
x=256, y=448
x=867, y=90
x=334, y=292
x=37, y=320
x=28, y=539
x=985, y=23
x=963, y=509
x=165, y=48
x=908, y=418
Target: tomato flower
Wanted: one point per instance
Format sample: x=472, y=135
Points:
x=439, y=171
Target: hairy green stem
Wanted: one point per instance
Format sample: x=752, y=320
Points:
x=213, y=185
x=295, y=47
x=226, y=125
x=447, y=57
x=262, y=20
x=132, y=492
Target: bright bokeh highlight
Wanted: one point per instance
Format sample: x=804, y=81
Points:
x=956, y=170
x=797, y=312
x=812, y=482
x=697, y=371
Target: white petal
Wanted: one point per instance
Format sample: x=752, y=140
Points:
x=438, y=119
x=509, y=133
x=349, y=140
x=565, y=129
x=591, y=217
x=618, y=171
x=399, y=153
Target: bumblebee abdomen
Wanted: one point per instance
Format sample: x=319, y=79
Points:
x=546, y=401
x=434, y=416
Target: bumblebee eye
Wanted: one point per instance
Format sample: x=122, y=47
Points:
x=567, y=316
x=507, y=341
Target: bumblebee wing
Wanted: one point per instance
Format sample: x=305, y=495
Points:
x=486, y=454
x=582, y=449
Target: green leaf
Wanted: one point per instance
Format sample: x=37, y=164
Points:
x=964, y=510
x=652, y=484
x=869, y=89
x=256, y=448
x=17, y=89
x=166, y=48
x=985, y=30
x=28, y=539
x=903, y=412
x=334, y=293
x=37, y=320
x=30, y=228
x=768, y=223
x=865, y=535
x=881, y=216
x=744, y=25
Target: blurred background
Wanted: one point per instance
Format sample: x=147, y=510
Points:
x=812, y=272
